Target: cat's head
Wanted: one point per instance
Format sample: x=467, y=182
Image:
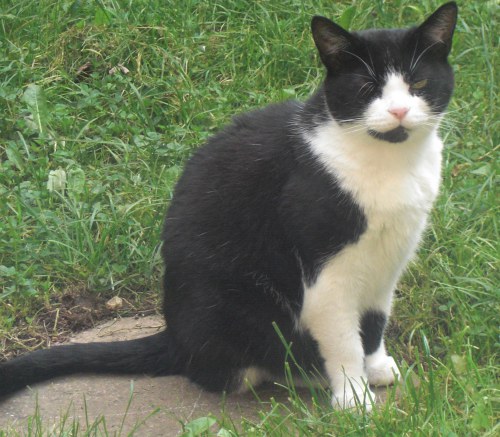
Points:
x=388, y=83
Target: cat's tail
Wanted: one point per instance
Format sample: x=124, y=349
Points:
x=153, y=355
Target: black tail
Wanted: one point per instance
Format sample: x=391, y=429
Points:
x=153, y=355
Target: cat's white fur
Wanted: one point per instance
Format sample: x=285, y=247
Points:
x=395, y=185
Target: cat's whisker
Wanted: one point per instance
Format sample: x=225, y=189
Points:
x=413, y=56
x=371, y=60
x=369, y=86
x=362, y=75
x=355, y=129
x=412, y=68
x=372, y=73
x=369, y=89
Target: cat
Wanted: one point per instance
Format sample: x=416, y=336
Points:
x=299, y=217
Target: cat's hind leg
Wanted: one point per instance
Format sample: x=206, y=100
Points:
x=215, y=378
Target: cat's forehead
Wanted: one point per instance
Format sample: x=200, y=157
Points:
x=386, y=49
x=383, y=36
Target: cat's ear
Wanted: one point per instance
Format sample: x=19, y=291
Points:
x=438, y=28
x=330, y=39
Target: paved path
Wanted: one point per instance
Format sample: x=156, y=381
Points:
x=79, y=396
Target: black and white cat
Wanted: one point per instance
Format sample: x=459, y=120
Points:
x=299, y=214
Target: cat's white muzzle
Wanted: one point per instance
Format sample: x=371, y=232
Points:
x=397, y=110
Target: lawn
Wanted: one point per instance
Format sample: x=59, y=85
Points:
x=102, y=102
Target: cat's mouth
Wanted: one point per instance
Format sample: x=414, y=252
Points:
x=397, y=135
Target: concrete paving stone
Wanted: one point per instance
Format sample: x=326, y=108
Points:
x=177, y=400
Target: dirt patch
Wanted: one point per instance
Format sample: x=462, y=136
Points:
x=76, y=309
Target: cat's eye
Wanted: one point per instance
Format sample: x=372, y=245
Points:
x=419, y=85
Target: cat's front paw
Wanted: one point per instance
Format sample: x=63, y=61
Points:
x=356, y=394
x=381, y=370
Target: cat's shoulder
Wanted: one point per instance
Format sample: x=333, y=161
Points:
x=270, y=116
x=266, y=133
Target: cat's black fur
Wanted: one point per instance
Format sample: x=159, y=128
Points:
x=253, y=218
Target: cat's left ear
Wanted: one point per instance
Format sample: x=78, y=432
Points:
x=439, y=27
x=331, y=40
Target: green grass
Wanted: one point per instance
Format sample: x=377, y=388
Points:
x=122, y=140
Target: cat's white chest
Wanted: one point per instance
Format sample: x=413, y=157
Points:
x=395, y=186
x=383, y=178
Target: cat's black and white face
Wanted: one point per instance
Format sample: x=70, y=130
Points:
x=388, y=84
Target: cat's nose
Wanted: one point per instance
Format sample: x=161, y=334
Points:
x=399, y=112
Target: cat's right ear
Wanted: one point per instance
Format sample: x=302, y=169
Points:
x=331, y=40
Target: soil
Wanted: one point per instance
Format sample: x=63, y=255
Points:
x=75, y=310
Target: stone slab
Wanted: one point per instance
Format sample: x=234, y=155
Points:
x=176, y=400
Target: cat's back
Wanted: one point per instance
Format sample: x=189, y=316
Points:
x=245, y=162
x=231, y=185
x=259, y=134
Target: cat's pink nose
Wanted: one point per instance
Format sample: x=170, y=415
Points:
x=399, y=113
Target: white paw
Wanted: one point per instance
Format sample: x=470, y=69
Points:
x=355, y=395
x=381, y=370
